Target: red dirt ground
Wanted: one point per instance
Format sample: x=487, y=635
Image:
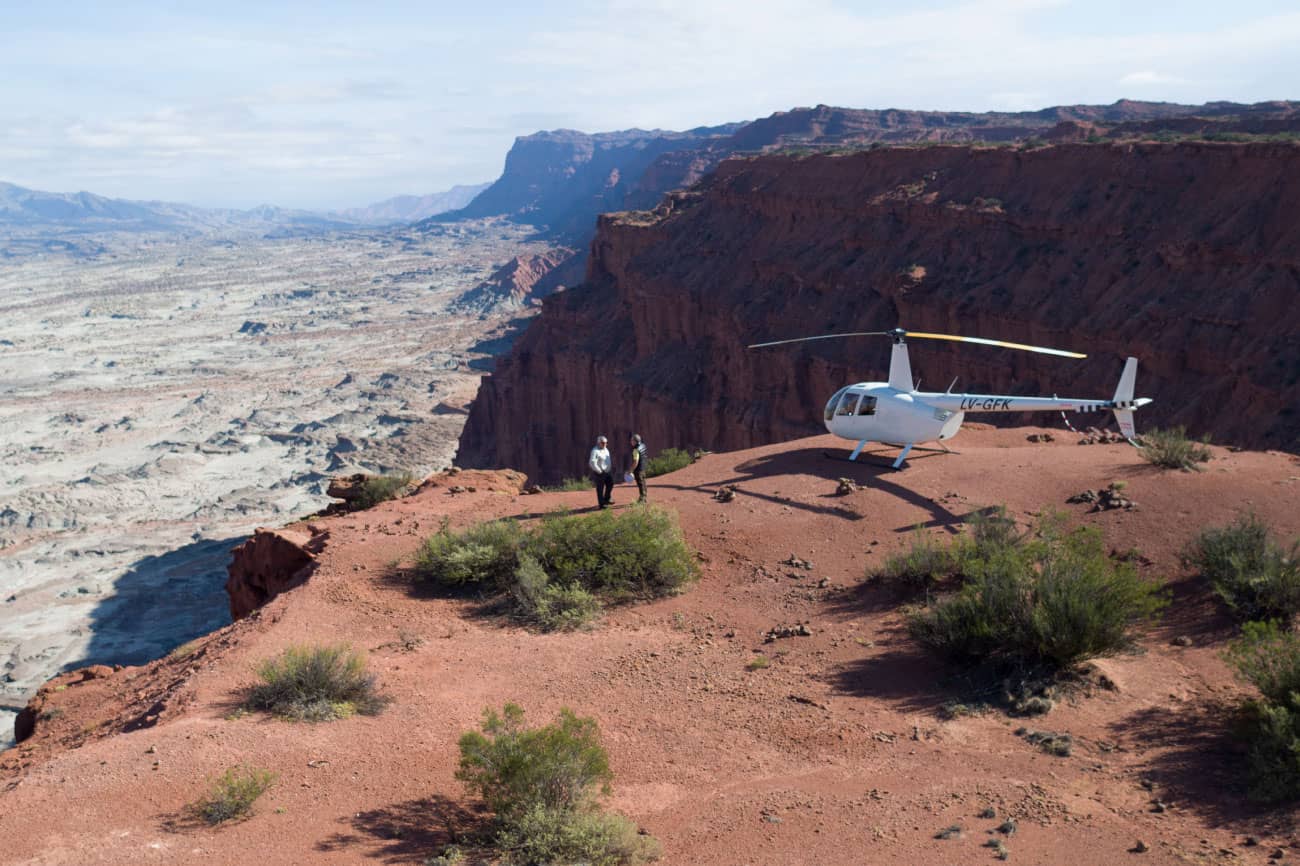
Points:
x=835, y=754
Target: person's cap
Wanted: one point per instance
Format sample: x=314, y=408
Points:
x=601, y=439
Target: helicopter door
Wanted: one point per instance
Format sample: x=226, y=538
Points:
x=867, y=406
x=848, y=404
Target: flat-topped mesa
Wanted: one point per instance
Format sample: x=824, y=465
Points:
x=1186, y=255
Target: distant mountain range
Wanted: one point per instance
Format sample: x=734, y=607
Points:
x=409, y=208
x=23, y=210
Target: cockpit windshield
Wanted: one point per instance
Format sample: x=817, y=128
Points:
x=848, y=404
x=833, y=401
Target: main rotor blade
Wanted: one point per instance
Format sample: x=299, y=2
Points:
x=820, y=337
x=1062, y=352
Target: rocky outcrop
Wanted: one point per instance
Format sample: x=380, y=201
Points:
x=267, y=564
x=563, y=178
x=523, y=281
x=1185, y=255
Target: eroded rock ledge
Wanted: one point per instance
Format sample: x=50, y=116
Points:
x=270, y=562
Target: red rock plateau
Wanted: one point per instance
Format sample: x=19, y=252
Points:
x=836, y=753
x=1185, y=255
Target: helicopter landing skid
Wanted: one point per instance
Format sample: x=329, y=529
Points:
x=829, y=456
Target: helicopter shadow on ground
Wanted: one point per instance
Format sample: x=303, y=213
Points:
x=816, y=463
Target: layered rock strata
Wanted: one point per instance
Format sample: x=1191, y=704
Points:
x=1185, y=255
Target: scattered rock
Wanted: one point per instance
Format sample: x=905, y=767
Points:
x=1277, y=854
x=1139, y=848
x=1093, y=436
x=988, y=813
x=725, y=493
x=532, y=490
x=1007, y=827
x=846, y=486
x=796, y=562
x=1041, y=437
x=1182, y=640
x=1105, y=499
x=1060, y=745
x=96, y=672
x=782, y=631
x=950, y=832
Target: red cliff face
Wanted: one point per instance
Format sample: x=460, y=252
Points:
x=1185, y=255
x=269, y=563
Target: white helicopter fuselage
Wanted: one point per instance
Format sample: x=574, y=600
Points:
x=895, y=413
x=876, y=412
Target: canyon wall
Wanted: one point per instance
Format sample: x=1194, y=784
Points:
x=1186, y=255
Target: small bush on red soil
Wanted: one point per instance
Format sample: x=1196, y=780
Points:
x=1048, y=599
x=1256, y=577
x=232, y=794
x=381, y=488
x=543, y=786
x=559, y=574
x=928, y=564
x=1268, y=656
x=1171, y=449
x=316, y=684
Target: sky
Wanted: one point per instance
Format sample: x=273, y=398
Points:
x=330, y=104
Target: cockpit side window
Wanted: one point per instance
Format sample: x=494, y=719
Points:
x=833, y=402
x=867, y=406
x=848, y=404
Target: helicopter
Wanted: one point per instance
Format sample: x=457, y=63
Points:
x=896, y=413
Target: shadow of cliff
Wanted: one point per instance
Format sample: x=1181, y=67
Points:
x=159, y=603
x=406, y=832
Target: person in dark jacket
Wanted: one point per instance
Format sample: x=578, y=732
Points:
x=637, y=464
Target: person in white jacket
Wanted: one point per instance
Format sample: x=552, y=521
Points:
x=602, y=471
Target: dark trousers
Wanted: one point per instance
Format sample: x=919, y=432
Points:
x=639, y=475
x=604, y=487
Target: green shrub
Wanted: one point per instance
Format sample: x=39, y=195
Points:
x=1255, y=577
x=922, y=566
x=542, y=835
x=553, y=606
x=1084, y=603
x=1171, y=449
x=668, y=460
x=1052, y=600
x=559, y=573
x=543, y=787
x=559, y=766
x=486, y=553
x=316, y=684
x=232, y=794
x=1268, y=656
x=638, y=555
x=929, y=563
x=380, y=488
